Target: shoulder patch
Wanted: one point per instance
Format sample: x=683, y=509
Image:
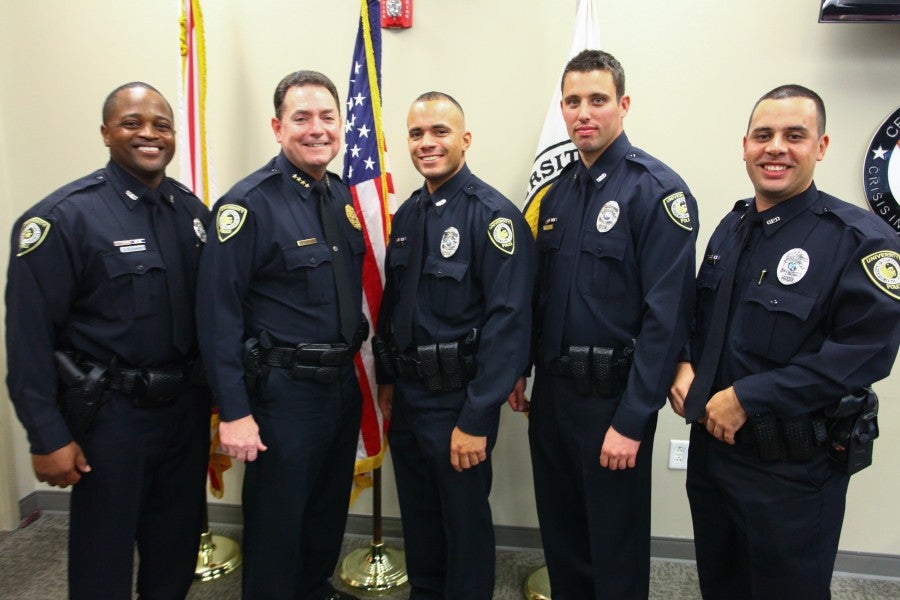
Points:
x=229, y=220
x=34, y=231
x=677, y=209
x=883, y=268
x=503, y=235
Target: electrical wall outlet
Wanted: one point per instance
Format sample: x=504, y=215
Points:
x=678, y=454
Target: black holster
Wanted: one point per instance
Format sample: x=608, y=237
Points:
x=80, y=393
x=853, y=428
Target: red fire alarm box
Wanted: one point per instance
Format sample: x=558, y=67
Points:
x=396, y=14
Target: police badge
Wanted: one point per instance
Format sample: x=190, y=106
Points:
x=449, y=242
x=199, y=231
x=793, y=266
x=608, y=216
x=351, y=216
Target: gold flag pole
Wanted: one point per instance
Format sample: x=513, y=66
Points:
x=378, y=567
x=218, y=556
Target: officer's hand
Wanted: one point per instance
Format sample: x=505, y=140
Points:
x=386, y=399
x=725, y=415
x=466, y=450
x=62, y=467
x=240, y=438
x=517, y=400
x=618, y=451
x=684, y=376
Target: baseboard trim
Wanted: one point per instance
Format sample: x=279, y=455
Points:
x=856, y=564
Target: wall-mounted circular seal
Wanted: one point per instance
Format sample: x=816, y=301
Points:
x=881, y=174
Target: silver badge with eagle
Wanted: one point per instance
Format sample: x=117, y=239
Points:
x=608, y=216
x=449, y=242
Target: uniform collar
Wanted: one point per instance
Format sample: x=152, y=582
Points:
x=603, y=167
x=297, y=179
x=780, y=214
x=130, y=190
x=448, y=190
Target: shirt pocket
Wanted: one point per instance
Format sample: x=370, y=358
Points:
x=775, y=321
x=449, y=290
x=137, y=283
x=310, y=269
x=601, y=266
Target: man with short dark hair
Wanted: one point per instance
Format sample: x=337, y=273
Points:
x=279, y=326
x=452, y=338
x=798, y=311
x=615, y=239
x=101, y=349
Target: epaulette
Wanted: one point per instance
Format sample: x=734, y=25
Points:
x=659, y=170
x=853, y=216
x=488, y=196
x=181, y=186
x=251, y=181
x=741, y=206
x=83, y=183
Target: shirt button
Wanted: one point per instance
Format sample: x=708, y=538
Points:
x=773, y=302
x=140, y=267
x=312, y=260
x=335, y=248
x=440, y=271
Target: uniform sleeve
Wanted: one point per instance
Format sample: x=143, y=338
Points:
x=40, y=286
x=507, y=279
x=226, y=269
x=861, y=336
x=665, y=252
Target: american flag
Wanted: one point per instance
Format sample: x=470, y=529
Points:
x=367, y=173
x=194, y=162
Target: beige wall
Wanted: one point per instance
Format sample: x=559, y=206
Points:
x=694, y=70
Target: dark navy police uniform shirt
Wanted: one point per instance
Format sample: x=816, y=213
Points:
x=478, y=272
x=267, y=268
x=815, y=309
x=627, y=275
x=86, y=275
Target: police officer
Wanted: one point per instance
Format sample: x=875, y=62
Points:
x=811, y=315
x=102, y=276
x=281, y=321
x=455, y=318
x=615, y=241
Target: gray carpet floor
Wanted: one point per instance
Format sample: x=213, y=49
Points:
x=33, y=567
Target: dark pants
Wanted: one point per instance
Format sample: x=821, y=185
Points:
x=146, y=484
x=763, y=529
x=595, y=523
x=447, y=527
x=296, y=493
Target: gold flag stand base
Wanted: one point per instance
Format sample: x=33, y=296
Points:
x=537, y=585
x=218, y=556
x=375, y=569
